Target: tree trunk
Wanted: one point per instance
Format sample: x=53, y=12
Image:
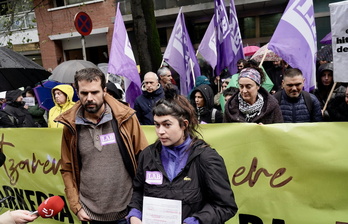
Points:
x=146, y=35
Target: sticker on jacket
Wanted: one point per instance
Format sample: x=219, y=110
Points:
x=107, y=139
x=154, y=177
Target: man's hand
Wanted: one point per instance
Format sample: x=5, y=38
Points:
x=83, y=216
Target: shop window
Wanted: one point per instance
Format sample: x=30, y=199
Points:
x=268, y=24
x=247, y=27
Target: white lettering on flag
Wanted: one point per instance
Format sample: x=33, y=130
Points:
x=222, y=22
x=212, y=42
x=128, y=49
x=235, y=35
x=297, y=16
x=177, y=40
x=180, y=47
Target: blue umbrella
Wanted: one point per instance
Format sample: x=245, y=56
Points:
x=44, y=96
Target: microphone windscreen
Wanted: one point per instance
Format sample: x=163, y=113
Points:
x=50, y=207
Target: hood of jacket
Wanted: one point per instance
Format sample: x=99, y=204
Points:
x=12, y=95
x=69, y=92
x=207, y=93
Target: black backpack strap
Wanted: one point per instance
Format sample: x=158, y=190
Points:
x=123, y=150
x=278, y=96
x=308, y=102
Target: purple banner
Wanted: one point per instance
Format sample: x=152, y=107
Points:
x=237, y=44
x=295, y=38
x=207, y=47
x=121, y=61
x=223, y=38
x=181, y=56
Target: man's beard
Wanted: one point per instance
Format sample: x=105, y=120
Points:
x=92, y=110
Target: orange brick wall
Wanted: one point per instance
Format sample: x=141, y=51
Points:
x=62, y=21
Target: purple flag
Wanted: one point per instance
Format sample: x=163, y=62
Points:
x=237, y=44
x=181, y=56
x=223, y=38
x=295, y=39
x=122, y=62
x=327, y=39
x=207, y=47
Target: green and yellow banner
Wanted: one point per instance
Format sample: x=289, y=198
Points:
x=280, y=173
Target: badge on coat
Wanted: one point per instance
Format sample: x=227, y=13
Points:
x=107, y=139
x=154, y=177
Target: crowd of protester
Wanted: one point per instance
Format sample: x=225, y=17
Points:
x=104, y=121
x=208, y=97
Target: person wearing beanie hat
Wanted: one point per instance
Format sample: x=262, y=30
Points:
x=15, y=107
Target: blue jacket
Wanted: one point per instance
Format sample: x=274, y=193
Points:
x=294, y=110
x=144, y=103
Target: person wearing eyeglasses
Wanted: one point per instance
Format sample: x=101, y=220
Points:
x=297, y=105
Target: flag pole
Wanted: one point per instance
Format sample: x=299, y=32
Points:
x=162, y=63
x=193, y=72
x=328, y=98
x=263, y=58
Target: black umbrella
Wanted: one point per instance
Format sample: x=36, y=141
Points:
x=325, y=53
x=18, y=71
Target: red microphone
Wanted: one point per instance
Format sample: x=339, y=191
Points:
x=50, y=207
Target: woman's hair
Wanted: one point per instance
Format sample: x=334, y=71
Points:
x=179, y=107
x=89, y=75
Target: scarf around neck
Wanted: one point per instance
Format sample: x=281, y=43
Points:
x=250, y=111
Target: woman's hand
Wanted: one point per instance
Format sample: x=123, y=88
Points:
x=135, y=220
x=22, y=216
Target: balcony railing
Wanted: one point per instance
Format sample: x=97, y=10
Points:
x=21, y=21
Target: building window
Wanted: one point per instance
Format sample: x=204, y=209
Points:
x=259, y=26
x=59, y=3
x=268, y=24
x=22, y=12
x=247, y=27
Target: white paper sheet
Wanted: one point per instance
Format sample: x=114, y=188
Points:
x=161, y=211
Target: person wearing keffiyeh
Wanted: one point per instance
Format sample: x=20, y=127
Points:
x=252, y=103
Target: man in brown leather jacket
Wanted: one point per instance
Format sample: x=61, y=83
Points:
x=101, y=138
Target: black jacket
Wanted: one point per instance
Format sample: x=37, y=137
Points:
x=338, y=109
x=203, y=185
x=22, y=115
x=205, y=114
x=295, y=110
x=144, y=103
